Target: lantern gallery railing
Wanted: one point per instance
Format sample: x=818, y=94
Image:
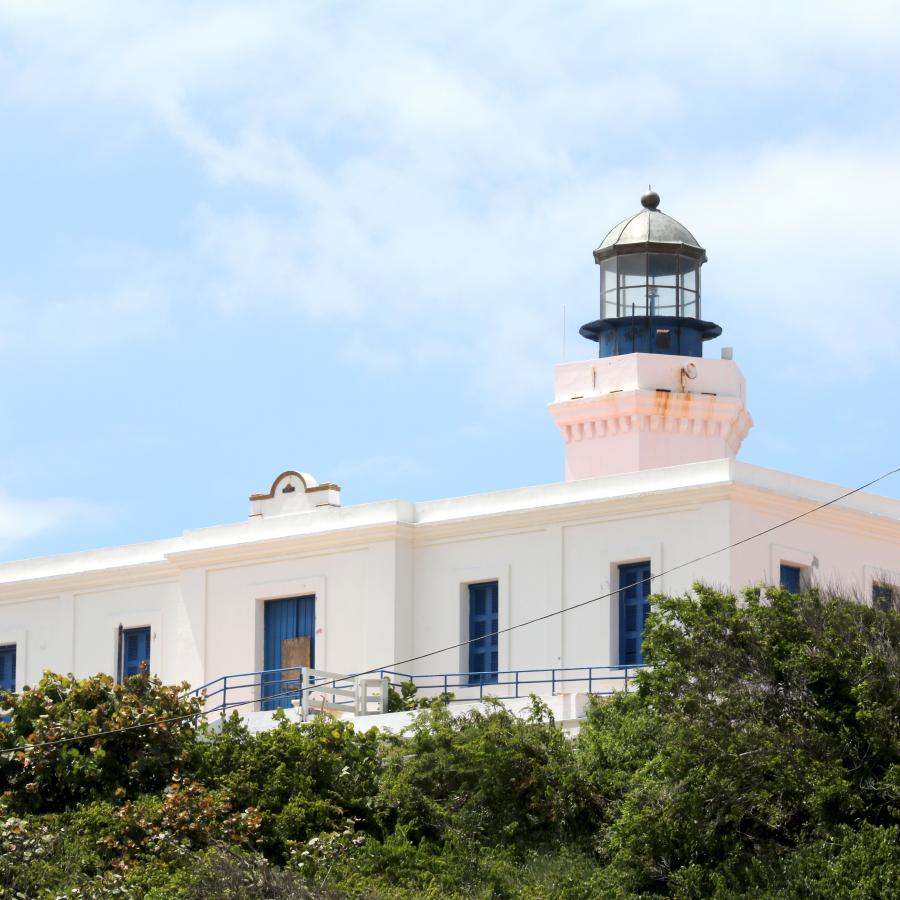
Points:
x=313, y=690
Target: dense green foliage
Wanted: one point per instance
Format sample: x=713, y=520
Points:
x=763, y=725
x=125, y=763
x=759, y=757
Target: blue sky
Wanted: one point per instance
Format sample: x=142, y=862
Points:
x=237, y=238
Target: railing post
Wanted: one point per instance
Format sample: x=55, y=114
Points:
x=385, y=689
x=517, y=683
x=224, y=693
x=553, y=682
x=590, y=678
x=445, y=687
x=626, y=679
x=304, y=696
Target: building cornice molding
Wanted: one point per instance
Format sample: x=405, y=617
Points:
x=572, y=504
x=581, y=512
x=296, y=546
x=785, y=506
x=49, y=586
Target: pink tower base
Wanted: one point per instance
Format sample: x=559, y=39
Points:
x=646, y=411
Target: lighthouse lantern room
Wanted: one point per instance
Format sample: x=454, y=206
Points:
x=650, y=287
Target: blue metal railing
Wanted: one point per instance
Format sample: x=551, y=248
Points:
x=246, y=689
x=512, y=683
x=250, y=689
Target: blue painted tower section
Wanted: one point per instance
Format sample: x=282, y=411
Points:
x=650, y=334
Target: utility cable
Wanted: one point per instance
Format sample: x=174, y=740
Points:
x=509, y=628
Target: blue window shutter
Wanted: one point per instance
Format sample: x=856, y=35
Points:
x=634, y=607
x=8, y=668
x=285, y=619
x=483, y=622
x=789, y=578
x=135, y=650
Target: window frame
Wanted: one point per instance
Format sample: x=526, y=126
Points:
x=889, y=596
x=485, y=675
x=623, y=567
x=14, y=647
x=802, y=576
x=120, y=652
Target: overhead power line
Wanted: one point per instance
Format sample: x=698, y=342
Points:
x=459, y=644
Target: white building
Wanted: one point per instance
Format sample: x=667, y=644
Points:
x=651, y=430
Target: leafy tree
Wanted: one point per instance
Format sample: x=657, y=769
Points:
x=302, y=780
x=762, y=724
x=490, y=776
x=123, y=763
x=759, y=757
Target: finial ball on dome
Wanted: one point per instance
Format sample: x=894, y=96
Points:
x=650, y=200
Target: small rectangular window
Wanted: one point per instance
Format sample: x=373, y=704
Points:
x=634, y=607
x=134, y=651
x=885, y=597
x=789, y=578
x=483, y=624
x=8, y=668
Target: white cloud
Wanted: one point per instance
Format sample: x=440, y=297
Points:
x=442, y=175
x=22, y=519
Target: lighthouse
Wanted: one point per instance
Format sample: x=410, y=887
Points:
x=649, y=399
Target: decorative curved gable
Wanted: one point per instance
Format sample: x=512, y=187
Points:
x=294, y=492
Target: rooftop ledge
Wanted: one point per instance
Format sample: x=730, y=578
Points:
x=334, y=520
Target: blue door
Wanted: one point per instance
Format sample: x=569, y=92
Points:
x=135, y=650
x=483, y=623
x=634, y=607
x=8, y=668
x=292, y=617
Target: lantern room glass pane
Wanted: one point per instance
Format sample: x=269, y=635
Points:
x=608, y=310
x=662, y=301
x=634, y=301
x=688, y=273
x=633, y=269
x=689, y=304
x=662, y=269
x=608, y=275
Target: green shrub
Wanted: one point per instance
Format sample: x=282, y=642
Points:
x=490, y=775
x=124, y=764
x=759, y=757
x=852, y=863
x=761, y=723
x=397, y=868
x=302, y=779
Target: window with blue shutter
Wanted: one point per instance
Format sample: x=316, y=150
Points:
x=884, y=596
x=285, y=619
x=483, y=623
x=789, y=578
x=634, y=607
x=8, y=668
x=135, y=651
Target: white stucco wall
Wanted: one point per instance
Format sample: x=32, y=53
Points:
x=390, y=578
